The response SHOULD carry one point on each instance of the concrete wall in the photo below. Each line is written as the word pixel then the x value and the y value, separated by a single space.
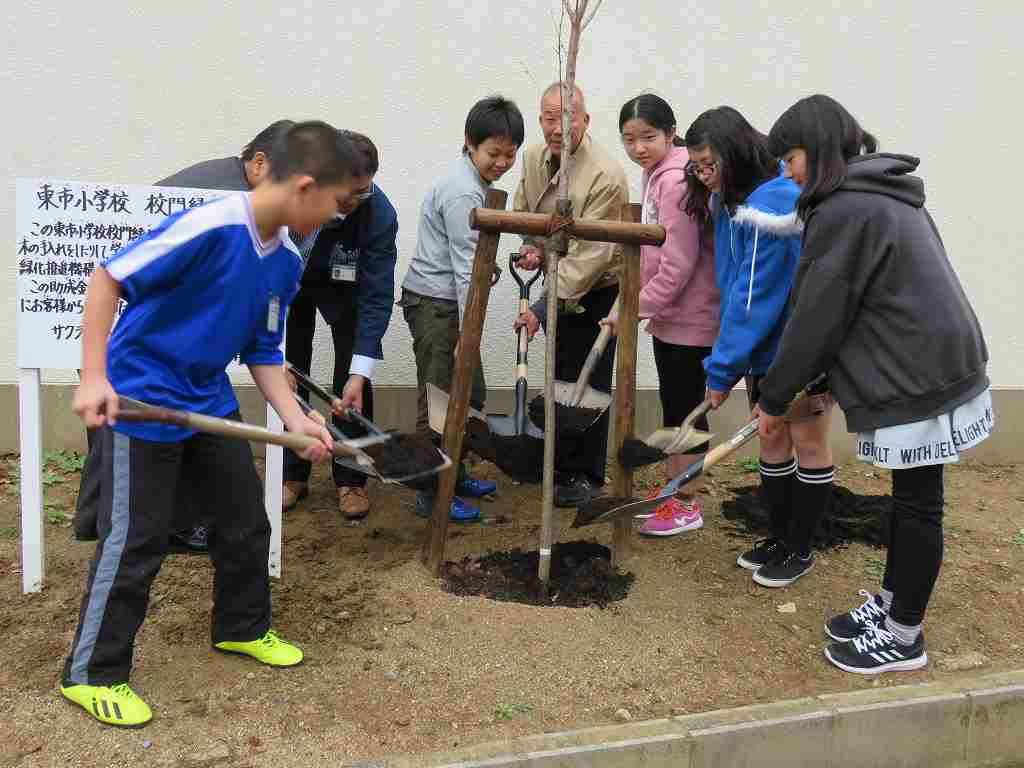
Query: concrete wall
pixel 131 92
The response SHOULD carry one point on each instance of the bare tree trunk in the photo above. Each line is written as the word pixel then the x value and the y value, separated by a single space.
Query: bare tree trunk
pixel 578 20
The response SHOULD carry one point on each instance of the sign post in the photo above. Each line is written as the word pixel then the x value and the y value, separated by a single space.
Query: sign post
pixel 64 228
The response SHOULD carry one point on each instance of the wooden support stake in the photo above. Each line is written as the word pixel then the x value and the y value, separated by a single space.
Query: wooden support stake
pixel 462 379
pixel 539 225
pixel 625 380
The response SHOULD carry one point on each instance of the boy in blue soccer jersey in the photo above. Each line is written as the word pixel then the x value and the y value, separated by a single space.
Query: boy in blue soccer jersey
pixel 202 287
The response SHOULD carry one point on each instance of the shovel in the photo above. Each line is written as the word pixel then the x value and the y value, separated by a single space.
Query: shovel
pixel 603 509
pixel 662 443
pixel 393 457
pixel 577 405
pixel 521 465
pixel 518 444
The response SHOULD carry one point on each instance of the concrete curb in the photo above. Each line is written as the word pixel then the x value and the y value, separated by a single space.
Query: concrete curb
pixel 965 724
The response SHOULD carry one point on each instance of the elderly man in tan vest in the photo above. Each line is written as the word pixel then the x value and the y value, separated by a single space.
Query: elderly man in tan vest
pixel 587 276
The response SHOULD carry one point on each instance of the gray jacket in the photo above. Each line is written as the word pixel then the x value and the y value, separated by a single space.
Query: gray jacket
pixel 876 304
pixel 442 265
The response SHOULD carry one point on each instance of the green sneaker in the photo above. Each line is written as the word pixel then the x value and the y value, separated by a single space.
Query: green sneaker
pixel 110 704
pixel 269 649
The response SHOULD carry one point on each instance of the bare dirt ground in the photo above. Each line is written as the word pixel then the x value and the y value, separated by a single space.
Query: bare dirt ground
pixel 396 665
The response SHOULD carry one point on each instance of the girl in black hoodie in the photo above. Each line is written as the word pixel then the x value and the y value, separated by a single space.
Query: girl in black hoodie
pixel 876 304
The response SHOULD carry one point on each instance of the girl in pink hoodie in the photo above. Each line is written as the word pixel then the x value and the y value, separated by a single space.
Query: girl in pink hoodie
pixel 678 295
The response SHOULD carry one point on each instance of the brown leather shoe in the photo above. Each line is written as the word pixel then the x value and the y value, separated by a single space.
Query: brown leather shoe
pixel 292 493
pixel 353 503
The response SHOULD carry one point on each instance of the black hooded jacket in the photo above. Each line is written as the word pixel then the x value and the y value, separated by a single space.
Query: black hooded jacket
pixel 876 304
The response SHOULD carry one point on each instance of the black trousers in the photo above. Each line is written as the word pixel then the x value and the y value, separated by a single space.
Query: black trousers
pixel 681 384
pixel 915 541
pixel 187 511
pixel 586 454
pixel 138 484
pixel 299 352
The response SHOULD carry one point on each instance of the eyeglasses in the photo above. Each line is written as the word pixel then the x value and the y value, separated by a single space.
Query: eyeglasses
pixel 692 169
pixel 364 196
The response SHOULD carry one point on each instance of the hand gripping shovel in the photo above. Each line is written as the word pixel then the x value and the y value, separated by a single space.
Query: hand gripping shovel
pixel 604 509
pixel 578 405
pixel 518 445
pixel 394 457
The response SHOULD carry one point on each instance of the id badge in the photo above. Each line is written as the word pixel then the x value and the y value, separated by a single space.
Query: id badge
pixel 344 264
pixel 273 314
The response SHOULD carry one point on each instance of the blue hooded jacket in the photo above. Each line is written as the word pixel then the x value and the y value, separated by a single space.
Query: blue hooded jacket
pixel 756 253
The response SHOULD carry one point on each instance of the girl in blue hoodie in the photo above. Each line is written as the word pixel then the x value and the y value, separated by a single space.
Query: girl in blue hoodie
pixel 735 181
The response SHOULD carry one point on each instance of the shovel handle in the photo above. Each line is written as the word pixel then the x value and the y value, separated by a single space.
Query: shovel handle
pixel 600 344
pixel 740 438
pixel 522 342
pixel 133 410
pixel 524 285
pixel 329 397
pixel 326 395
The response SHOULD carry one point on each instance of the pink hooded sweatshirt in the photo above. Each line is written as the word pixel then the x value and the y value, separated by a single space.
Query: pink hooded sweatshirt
pixel 677 279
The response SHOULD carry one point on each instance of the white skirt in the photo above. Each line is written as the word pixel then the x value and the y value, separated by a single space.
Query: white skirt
pixel 938 440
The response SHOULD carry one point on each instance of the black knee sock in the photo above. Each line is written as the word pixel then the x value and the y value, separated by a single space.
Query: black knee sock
pixel 811 496
pixel 777 494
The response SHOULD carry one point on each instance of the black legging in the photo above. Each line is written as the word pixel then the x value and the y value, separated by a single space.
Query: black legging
pixel 915 541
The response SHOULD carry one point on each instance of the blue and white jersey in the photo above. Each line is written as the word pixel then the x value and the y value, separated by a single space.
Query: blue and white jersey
pixel 200 289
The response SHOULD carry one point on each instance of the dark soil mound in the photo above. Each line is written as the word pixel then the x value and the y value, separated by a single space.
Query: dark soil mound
pixel 567 420
pixel 849 518
pixel 404 455
pixel 581 575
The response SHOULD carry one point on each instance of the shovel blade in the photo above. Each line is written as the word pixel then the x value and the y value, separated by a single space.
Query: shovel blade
pixel 505 426
pixel 437 408
pixel 592 398
pixel 445 463
pixel 589 515
pixel 671 441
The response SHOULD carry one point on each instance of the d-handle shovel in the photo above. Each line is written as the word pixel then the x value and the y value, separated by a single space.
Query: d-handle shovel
pixel 519 423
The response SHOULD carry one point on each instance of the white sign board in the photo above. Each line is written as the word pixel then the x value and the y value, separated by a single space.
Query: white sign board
pixel 64 228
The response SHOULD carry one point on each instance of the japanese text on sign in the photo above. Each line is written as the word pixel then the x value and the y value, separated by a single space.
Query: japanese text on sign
pixel 64 229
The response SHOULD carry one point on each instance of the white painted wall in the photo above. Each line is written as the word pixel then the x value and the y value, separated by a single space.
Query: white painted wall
pixel 129 92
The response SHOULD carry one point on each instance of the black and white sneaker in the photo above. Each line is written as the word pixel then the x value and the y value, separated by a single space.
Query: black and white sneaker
pixel 847 626
pixel 875 650
pixel 764 551
pixel 783 571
